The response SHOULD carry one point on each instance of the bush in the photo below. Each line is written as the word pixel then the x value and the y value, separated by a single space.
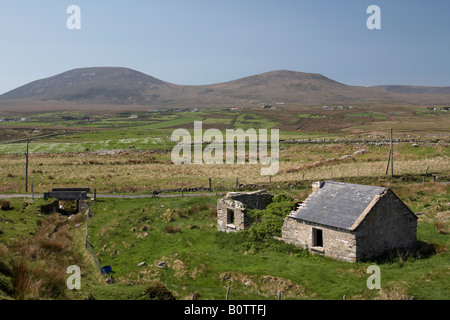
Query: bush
pixel 172 229
pixel 6 284
pixel 5 268
pixel 266 224
pixel 282 198
pixel 5 204
pixel 157 291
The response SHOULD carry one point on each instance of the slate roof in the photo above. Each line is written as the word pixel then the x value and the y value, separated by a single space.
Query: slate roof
pixel 337 204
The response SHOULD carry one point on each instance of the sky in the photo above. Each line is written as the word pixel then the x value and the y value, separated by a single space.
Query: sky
pixel 195 42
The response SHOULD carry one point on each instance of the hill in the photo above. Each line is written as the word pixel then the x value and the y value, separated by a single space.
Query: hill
pixel 413 89
pixel 94 85
pixel 113 86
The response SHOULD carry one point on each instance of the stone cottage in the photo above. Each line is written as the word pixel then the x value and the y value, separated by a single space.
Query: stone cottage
pixel 231 209
pixel 350 222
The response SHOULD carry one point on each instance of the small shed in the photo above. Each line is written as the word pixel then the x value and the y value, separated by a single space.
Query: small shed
pixel 231 209
pixel 351 222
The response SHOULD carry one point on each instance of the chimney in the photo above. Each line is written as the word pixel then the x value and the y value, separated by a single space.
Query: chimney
pixel 316 185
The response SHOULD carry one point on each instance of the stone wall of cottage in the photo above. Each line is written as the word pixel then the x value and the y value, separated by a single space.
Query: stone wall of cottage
pixel 389 225
pixel 238 202
pixel 337 243
pixel 222 215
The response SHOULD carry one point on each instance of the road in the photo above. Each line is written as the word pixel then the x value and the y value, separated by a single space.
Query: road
pixel 123 196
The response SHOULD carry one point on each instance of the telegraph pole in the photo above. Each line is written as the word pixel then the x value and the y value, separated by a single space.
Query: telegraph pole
pixel 391 157
pixel 26 169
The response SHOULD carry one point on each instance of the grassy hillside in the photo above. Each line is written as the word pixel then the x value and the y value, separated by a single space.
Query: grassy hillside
pixel 202 262
pixel 199 261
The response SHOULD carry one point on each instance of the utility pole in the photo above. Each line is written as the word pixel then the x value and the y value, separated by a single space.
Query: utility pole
pixel 392 155
pixel 26 169
pixel 391 158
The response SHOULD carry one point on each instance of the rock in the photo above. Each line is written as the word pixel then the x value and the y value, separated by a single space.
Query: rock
pixel 193 296
pixel 361 151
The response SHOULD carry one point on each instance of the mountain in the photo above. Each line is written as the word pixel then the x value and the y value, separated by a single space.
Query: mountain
pixel 113 86
pixel 414 89
pixel 94 85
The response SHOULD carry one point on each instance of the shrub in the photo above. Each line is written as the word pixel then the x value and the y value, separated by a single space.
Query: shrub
pixel 5 204
pixel 282 198
pixel 5 268
pixel 6 284
pixel 22 279
pixel 193 210
pixel 172 229
pixel 266 224
pixel 441 226
pixel 157 291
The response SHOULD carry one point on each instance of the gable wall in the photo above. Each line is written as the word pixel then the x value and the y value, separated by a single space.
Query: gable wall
pixel 388 225
pixel 239 217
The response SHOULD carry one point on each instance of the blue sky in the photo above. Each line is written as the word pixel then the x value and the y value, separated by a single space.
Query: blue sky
pixel 210 41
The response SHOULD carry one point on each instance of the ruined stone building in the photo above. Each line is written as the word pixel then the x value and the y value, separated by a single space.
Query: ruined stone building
pixel 231 209
pixel 350 222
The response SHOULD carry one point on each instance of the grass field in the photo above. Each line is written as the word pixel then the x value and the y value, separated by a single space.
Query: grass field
pixel 203 262
pixel 182 231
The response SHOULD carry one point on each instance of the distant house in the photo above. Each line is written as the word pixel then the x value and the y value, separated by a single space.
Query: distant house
pixel 134 116
pixel 350 222
pixel 23 120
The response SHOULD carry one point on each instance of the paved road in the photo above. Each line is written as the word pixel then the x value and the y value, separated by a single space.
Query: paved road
pixel 123 196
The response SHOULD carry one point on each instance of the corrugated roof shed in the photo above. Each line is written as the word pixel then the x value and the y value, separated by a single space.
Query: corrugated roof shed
pixel 337 204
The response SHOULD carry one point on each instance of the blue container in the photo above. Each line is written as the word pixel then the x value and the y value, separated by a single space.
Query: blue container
pixel 106 269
